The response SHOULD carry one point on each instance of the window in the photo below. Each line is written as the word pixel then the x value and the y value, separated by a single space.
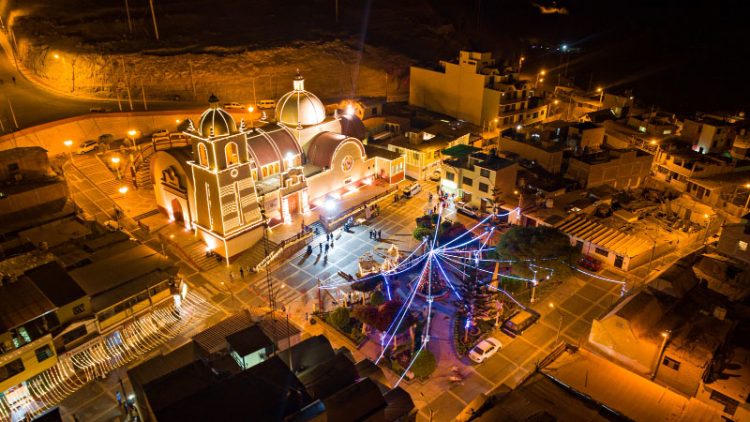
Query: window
pixel 43 353
pixel 230 151
pixel 11 369
pixel 742 245
pixel 602 252
pixel 483 187
pixel 671 363
pixel 484 173
pixel 202 155
pixel 468 181
pixel 74 334
pixel 78 309
pixel 450 176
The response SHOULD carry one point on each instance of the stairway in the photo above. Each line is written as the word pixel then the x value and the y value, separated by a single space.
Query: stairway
pixel 258 251
pixel 197 252
pixel 93 167
pixel 143 174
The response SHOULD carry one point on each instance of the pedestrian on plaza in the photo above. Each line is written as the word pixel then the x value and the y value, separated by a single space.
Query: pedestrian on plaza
pixel 380 235
pixel 327 246
pixel 14 80
pixel 434 209
pixel 320 245
pixel 331 242
pixel 118 396
pixel 242 273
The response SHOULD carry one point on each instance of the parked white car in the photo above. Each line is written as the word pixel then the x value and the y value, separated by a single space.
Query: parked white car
pixel 467 209
pixel 485 349
pixel 233 106
pixel 412 190
pixel 265 104
pixel 160 133
pixel 87 146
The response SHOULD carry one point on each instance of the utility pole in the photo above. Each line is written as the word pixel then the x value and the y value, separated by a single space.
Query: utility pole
pixel 192 81
pixel 255 98
pixel 143 94
pixel 153 18
pixel 130 21
pixel 12 113
pixel 386 86
pixel 119 103
pixel 337 10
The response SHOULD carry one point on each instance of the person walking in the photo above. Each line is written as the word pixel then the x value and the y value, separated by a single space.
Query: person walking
pixel 14 80
pixel 380 235
pixel 242 273
pixel 327 246
pixel 320 245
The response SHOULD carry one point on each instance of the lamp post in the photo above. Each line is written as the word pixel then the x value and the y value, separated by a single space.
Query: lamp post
pixel 68 144
pixel 116 164
pixel 533 288
pixel 665 336
pixel 600 90
pixel 744 209
pixel 540 77
pixel 520 64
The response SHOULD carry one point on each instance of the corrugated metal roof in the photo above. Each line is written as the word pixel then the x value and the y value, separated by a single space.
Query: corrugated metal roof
pixel 603 236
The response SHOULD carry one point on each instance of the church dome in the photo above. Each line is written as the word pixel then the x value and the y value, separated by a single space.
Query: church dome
pixel 299 107
pixel 215 121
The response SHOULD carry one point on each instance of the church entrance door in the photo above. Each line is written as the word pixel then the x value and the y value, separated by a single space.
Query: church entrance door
pixel 177 211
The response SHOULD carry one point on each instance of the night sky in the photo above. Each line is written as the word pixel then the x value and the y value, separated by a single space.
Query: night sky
pixel 681 55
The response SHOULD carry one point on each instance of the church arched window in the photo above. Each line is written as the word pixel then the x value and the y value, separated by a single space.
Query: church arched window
pixel 230 151
pixel 202 155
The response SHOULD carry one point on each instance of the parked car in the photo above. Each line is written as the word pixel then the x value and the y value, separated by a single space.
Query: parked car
pixel 264 104
pixel 485 349
pixel 98 110
pixel 112 225
pixel 412 190
pixel 590 263
pixel 519 321
pixel 87 146
pixel 233 106
pixel 467 209
pixel 435 176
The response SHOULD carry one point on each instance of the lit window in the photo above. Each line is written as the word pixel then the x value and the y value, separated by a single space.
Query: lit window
pixel 202 155
pixel 742 245
pixel 230 150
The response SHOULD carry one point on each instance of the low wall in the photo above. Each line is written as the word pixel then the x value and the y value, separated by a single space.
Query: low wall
pixel 51 136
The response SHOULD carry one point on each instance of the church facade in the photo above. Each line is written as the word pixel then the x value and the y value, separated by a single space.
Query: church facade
pixel 233 179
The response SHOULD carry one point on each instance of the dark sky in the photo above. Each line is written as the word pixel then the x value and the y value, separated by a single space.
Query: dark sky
pixel 682 55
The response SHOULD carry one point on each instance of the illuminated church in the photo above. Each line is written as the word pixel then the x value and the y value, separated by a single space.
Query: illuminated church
pixel 219 184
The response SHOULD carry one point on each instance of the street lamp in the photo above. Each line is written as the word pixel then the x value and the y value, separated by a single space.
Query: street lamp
pixel 116 163
pixel 69 143
pixel 123 190
pixel 600 90
pixel 539 77
pixel 520 63
pixel 665 337
pixel 250 109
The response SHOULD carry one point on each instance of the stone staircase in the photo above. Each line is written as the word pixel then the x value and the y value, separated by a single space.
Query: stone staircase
pixel 143 174
pixel 93 167
pixel 256 253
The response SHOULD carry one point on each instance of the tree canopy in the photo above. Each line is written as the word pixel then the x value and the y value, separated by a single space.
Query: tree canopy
pixel 544 246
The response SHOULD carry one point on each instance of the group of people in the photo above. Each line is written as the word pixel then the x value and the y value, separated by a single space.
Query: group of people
pixel 376 234
pixel 328 244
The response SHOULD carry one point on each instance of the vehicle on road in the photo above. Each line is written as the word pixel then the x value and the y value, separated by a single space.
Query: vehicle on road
pixel 234 106
pixel 435 176
pixel 160 134
pixel 87 146
pixel 485 349
pixel 412 190
pixel 467 209
pixel 590 263
pixel 98 110
pixel 519 321
pixel 264 104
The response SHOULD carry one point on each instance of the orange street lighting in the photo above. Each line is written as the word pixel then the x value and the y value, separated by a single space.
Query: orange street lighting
pixel 747 185
pixel 653 142
pixel 132 132
pixel 177 121
pixel 56 56
pixel 557 102
pixel 705 215
pixel 250 109
pixel 551 305
pixel 599 89
pixel 115 160
pixel 123 190
pixel 68 143
pixel 543 72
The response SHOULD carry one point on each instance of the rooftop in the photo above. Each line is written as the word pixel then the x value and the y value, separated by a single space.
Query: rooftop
pixel 376 151
pixel 460 151
pixel 52 279
pixel 21 301
pixel 248 340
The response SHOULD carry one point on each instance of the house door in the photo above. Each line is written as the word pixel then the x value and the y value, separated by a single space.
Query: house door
pixel 293 200
pixel 177 211
pixel 618 261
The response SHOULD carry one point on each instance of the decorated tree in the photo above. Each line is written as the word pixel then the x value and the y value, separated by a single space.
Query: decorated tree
pixel 475 301
pixel 541 246
pixel 339 317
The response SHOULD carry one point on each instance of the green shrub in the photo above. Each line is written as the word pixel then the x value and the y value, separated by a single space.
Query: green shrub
pixel 424 364
pixel 339 317
pixel 377 298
